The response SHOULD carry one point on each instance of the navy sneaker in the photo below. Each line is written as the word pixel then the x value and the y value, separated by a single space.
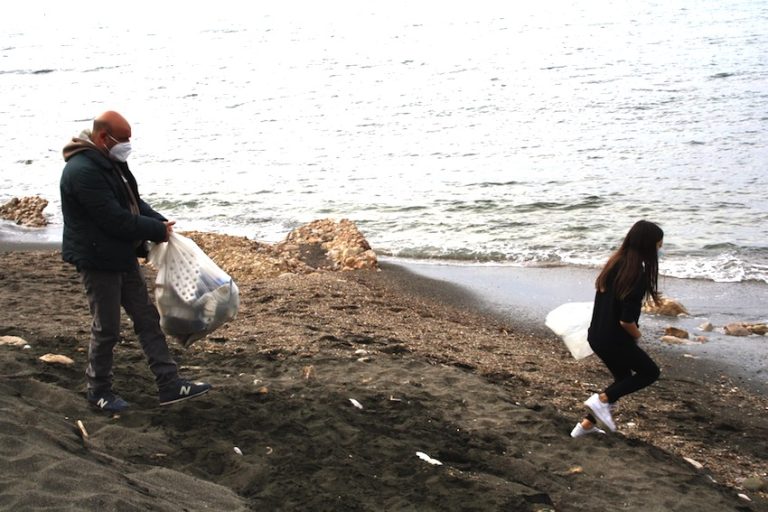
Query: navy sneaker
pixel 107 401
pixel 182 390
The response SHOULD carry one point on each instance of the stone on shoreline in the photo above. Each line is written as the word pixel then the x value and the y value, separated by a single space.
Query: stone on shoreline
pixel 666 307
pixel 676 332
pixel 26 211
pixel 736 329
pixel 674 340
pixel 744 329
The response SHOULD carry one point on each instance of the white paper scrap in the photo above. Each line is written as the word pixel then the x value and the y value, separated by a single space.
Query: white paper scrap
pixel 426 458
pixel 356 403
pixel 694 463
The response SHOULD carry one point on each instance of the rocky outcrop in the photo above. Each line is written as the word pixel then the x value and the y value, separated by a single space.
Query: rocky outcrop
pixel 332 245
pixel 321 245
pixel 26 211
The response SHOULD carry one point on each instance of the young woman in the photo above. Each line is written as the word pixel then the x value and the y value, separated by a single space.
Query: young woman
pixel 627 280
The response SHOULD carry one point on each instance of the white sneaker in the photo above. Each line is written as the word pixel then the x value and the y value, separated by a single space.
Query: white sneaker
pixel 579 431
pixel 602 411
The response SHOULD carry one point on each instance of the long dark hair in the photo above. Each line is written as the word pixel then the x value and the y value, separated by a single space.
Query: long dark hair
pixel 638 251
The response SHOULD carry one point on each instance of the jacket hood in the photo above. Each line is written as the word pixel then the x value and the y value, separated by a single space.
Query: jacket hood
pixel 79 144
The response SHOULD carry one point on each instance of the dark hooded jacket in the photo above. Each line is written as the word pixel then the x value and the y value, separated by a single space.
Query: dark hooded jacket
pixel 105 220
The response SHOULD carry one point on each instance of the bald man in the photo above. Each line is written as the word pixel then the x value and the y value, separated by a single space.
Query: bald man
pixel 106 226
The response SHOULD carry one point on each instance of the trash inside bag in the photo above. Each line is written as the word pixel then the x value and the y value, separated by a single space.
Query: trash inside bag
pixel 194 296
pixel 571 321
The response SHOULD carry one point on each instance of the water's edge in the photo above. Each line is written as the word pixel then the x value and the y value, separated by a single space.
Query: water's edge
pixel 522 297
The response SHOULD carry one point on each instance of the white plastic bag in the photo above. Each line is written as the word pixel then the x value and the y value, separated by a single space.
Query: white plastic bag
pixel 194 296
pixel 571 321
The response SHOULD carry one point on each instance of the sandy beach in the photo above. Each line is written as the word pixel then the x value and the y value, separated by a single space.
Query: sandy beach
pixel 432 372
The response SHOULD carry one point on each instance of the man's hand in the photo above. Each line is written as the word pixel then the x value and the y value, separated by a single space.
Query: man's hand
pixel 168 229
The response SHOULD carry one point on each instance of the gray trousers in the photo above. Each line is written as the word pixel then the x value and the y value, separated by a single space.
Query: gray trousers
pixel 107 292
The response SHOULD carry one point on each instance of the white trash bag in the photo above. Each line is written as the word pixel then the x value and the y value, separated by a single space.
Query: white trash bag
pixel 194 296
pixel 571 321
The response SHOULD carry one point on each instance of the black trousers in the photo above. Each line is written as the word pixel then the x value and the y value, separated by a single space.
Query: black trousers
pixel 107 292
pixel 631 367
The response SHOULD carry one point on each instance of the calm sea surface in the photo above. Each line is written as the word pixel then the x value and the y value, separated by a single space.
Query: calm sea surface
pixel 464 132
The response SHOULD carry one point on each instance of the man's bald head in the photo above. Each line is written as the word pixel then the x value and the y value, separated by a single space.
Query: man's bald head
pixel 114 123
pixel 110 126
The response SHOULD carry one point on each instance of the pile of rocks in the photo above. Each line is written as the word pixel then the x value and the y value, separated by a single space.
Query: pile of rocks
pixel 320 245
pixel 677 336
pixel 326 243
pixel 27 211
pixel 744 329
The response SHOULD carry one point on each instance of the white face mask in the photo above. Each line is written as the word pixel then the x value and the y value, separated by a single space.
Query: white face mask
pixel 120 151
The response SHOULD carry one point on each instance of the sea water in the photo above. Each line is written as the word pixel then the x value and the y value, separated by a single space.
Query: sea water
pixel 525 134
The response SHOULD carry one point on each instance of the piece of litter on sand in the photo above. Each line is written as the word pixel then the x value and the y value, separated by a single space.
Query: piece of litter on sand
pixel 426 458
pixel 13 341
pixel 744 497
pixel 83 432
pixel 56 359
pixel 356 403
pixel 694 463
pixel 393 399
pixel 238 450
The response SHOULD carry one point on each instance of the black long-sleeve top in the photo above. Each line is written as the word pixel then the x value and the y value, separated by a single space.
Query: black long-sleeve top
pixel 609 310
